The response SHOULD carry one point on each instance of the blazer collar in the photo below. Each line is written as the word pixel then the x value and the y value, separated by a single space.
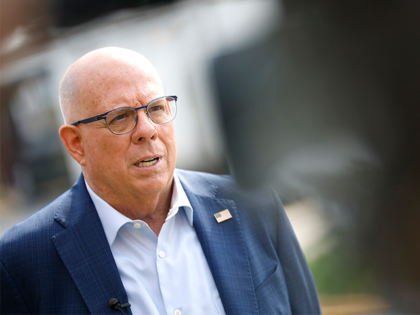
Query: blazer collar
pixel 84 249
pixel 223 244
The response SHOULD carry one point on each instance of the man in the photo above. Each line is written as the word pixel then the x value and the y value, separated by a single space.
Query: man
pixel 134 230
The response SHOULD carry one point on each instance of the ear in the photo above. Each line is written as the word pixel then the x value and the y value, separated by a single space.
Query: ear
pixel 72 140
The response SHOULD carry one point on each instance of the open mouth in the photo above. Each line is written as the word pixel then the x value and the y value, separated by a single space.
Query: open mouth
pixel 147 162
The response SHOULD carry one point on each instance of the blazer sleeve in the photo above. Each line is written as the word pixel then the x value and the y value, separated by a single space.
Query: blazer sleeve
pixel 11 299
pixel 300 282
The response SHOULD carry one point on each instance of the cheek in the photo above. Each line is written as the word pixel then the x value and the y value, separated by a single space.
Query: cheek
pixel 105 154
pixel 170 142
pixel 172 151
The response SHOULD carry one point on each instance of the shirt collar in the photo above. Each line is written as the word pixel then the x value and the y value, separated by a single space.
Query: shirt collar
pixel 180 199
pixel 112 220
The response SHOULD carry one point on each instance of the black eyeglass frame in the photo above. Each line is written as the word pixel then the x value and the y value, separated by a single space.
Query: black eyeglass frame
pixel 103 116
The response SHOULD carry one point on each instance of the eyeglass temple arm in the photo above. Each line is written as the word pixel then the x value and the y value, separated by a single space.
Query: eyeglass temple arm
pixel 88 120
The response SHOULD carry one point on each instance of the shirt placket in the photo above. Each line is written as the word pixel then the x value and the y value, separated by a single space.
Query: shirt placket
pixel 164 259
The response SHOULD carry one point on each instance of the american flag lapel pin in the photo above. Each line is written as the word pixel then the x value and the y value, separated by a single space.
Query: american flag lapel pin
pixel 222 216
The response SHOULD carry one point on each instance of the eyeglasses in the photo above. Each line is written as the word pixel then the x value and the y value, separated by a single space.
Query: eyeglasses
pixel 123 120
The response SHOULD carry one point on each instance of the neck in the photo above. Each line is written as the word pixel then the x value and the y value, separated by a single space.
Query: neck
pixel 152 209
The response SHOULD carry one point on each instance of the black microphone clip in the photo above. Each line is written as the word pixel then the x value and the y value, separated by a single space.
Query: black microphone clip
pixel 115 304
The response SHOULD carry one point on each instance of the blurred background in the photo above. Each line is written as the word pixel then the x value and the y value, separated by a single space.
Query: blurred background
pixel 319 99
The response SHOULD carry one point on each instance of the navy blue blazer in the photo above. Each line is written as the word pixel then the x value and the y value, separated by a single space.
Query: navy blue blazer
pixel 58 261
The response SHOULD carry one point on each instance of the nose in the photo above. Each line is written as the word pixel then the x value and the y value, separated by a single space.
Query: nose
pixel 145 129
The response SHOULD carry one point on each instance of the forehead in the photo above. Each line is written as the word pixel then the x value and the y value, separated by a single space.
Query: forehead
pixel 116 83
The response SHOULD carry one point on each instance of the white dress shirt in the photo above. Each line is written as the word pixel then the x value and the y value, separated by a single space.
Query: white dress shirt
pixel 168 274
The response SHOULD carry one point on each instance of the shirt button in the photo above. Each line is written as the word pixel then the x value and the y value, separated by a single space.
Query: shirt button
pixel 161 255
pixel 137 225
pixel 177 312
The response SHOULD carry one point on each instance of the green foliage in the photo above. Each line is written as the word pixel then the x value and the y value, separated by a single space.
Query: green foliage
pixel 343 270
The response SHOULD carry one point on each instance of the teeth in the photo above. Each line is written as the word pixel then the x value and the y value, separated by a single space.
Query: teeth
pixel 148 162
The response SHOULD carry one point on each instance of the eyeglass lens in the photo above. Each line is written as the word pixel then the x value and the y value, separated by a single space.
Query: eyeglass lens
pixel 123 120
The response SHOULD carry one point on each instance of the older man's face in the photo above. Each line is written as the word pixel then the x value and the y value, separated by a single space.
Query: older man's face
pixel 114 164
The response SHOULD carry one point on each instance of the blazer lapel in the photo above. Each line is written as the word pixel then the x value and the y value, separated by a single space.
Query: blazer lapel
pixel 84 249
pixel 223 245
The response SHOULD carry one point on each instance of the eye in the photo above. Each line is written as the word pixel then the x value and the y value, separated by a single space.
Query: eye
pixel 119 117
pixel 156 108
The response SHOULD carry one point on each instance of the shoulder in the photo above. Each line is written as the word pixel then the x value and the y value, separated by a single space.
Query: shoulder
pixel 62 212
pixel 29 235
pixel 209 185
pixel 194 178
pixel 225 187
pixel 225 184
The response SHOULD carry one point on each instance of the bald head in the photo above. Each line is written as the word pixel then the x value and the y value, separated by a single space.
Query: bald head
pixel 81 84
